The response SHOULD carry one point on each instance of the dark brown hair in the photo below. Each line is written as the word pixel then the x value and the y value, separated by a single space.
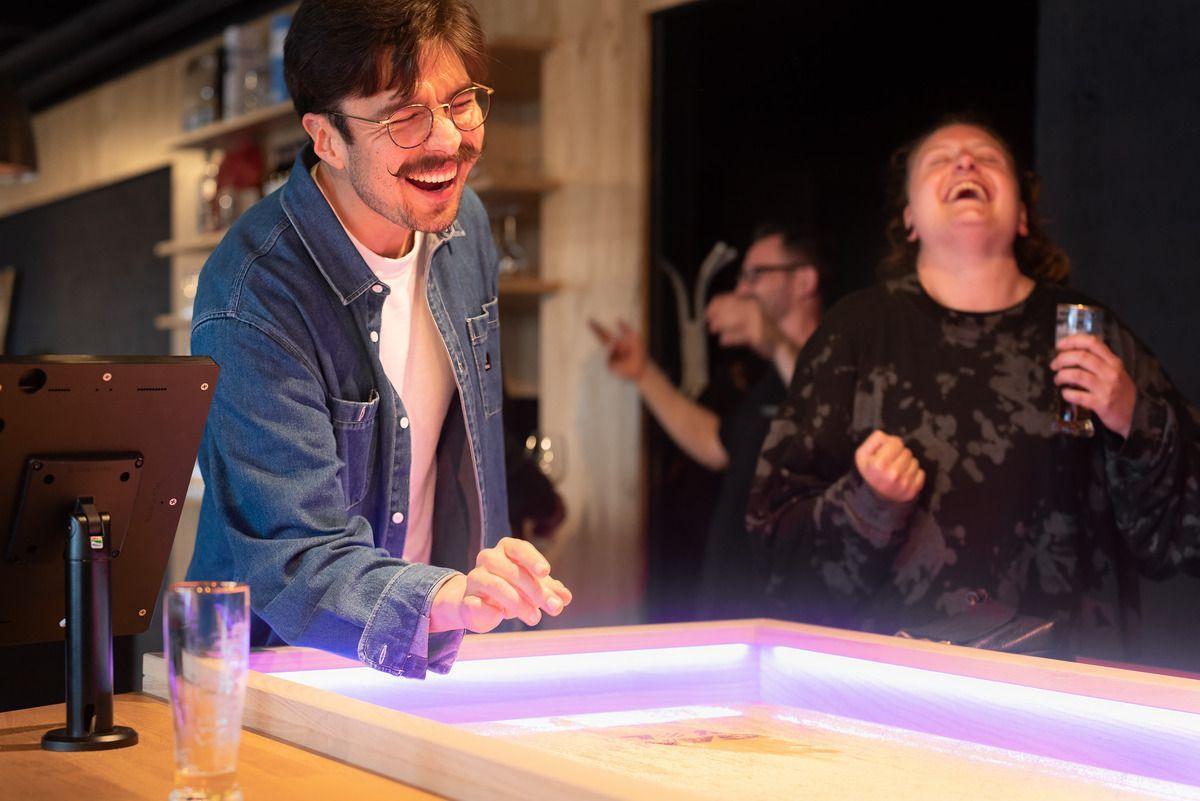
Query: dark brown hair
pixel 803 244
pixel 339 48
pixel 1036 254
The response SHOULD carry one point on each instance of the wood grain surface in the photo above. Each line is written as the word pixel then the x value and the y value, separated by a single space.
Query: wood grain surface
pixel 267 768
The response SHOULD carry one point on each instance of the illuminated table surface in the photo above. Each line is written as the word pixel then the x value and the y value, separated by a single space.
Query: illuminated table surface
pixel 737 710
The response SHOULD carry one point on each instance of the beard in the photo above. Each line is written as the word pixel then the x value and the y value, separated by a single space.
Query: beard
pixel 393 206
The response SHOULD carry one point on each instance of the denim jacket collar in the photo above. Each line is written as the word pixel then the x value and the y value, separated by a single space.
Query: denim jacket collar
pixel 335 255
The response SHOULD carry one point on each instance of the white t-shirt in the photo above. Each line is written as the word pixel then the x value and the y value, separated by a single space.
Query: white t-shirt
pixel 415 360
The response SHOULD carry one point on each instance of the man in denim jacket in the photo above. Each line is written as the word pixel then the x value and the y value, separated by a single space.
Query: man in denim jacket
pixel 355 436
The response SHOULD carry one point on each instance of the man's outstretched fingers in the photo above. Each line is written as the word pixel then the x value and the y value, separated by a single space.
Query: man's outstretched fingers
pixel 498 592
pixel 526 556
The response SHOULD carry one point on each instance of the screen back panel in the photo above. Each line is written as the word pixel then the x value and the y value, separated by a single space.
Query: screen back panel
pixel 93 408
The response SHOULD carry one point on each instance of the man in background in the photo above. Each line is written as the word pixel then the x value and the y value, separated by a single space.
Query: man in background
pixel 773 310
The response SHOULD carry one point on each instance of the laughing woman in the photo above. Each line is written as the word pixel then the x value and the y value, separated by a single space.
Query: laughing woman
pixel 914 468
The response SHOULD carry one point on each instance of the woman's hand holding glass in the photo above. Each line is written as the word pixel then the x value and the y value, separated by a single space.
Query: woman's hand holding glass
pixel 1095 378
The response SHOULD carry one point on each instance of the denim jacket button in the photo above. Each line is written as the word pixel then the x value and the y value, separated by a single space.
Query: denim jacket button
pixel 404 422
pixel 398 518
pixel 374 336
pixel 377 288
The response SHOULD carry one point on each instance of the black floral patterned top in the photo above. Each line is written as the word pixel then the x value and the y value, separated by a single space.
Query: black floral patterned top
pixel 1050 524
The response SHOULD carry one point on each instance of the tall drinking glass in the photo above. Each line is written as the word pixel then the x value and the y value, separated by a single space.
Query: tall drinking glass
pixel 207 636
pixel 1075 318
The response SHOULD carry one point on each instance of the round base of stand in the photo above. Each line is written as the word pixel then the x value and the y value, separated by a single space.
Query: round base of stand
pixel 60 740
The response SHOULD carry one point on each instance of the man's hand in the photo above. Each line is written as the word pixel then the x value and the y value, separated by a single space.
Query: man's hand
pixel 626 350
pixel 510 580
pixel 737 320
pixel 889 468
pixel 1094 377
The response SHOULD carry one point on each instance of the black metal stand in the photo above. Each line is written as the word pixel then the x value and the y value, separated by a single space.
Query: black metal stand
pixel 89 663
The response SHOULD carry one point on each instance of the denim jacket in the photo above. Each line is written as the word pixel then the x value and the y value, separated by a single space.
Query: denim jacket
pixel 305 460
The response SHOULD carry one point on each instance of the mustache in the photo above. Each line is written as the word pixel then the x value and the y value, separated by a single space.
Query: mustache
pixel 466 152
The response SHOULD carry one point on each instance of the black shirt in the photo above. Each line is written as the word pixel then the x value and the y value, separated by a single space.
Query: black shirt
pixel 1043 522
pixel 730 586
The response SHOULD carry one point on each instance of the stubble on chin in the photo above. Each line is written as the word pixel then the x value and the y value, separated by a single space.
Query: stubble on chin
pixel 396 211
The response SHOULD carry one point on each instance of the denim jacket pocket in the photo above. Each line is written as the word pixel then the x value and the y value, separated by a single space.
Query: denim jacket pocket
pixel 354 431
pixel 485 345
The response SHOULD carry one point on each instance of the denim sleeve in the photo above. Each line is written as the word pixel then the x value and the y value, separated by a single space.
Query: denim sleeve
pixel 273 493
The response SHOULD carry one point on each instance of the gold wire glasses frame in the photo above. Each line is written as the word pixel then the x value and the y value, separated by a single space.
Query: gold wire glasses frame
pixel 409 126
pixel 752 274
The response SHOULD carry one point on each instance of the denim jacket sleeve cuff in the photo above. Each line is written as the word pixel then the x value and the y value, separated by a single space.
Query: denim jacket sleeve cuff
pixel 443 646
pixel 396 638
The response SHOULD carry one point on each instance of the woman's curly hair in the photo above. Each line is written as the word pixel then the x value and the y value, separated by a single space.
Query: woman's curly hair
pixel 1037 255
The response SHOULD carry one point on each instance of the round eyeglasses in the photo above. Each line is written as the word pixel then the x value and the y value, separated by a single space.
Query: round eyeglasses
pixel 751 274
pixel 411 125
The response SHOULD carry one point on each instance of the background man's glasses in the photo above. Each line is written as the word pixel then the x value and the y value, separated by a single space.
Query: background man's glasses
pixel 752 274
pixel 410 126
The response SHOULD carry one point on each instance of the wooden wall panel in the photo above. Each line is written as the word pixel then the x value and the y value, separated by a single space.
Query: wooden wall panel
pixel 596 134
pixel 520 19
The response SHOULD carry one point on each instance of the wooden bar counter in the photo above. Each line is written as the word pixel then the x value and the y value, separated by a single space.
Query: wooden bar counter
pixel 267 769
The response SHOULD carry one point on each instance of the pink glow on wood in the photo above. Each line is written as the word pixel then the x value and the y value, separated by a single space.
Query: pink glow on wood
pixel 1140 724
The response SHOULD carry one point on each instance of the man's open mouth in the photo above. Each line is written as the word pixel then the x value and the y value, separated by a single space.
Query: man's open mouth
pixel 434 180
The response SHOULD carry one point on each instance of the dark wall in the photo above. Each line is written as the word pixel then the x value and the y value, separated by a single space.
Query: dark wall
pixel 87 277
pixel 1118 143
pixel 87 282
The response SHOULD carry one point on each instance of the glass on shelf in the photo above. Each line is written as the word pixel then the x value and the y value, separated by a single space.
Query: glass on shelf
pixel 277 91
pixel 513 259
pixel 206 218
pixel 202 103
pixel 246 79
pixel 239 182
pixel 283 156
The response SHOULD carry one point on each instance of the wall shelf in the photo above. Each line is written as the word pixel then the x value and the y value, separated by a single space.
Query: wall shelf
pixel 526 286
pixel 220 135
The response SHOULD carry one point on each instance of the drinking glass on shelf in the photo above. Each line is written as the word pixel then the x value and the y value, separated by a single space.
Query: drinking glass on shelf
pixel 1075 318
pixel 207 638
pixel 513 259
